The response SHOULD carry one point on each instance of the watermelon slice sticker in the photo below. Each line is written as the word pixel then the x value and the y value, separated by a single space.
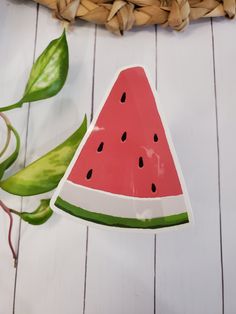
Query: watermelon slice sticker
pixel 125 173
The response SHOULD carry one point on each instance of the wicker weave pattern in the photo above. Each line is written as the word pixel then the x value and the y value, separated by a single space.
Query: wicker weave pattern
pixel 119 15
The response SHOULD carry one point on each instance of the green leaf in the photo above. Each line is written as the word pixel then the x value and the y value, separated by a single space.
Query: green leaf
pixel 11 159
pixel 40 215
pixel 48 73
pixel 44 174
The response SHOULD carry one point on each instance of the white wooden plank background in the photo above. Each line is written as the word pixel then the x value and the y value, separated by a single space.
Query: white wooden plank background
pixel 189 259
pixel 64 267
pixel 14 69
pixel 225 50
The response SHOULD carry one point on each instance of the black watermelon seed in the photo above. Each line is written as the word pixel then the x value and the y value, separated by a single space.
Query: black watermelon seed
pixel 154 188
pixel 124 137
pixel 89 174
pixel 155 137
pixel 123 97
pixel 140 162
pixel 100 147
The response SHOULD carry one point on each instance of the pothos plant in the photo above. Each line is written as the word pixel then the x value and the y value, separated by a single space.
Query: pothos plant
pixel 46 79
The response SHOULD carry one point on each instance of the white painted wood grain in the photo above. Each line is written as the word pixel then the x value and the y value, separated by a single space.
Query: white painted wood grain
pixel 14 69
pixel 188 261
pixel 52 256
pixel 225 50
pixel 120 269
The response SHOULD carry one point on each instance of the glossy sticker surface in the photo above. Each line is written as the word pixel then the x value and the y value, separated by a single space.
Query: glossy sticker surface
pixel 124 173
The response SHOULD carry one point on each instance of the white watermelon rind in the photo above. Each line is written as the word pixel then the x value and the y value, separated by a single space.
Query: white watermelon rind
pixel 103 202
pixel 56 200
pixel 121 222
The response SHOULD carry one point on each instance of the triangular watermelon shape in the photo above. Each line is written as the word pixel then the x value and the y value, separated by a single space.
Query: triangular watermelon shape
pixel 125 172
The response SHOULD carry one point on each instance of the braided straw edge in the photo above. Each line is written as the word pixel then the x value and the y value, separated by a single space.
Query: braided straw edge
pixel 119 15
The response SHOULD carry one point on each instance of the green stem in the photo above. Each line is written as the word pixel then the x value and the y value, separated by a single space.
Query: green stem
pixel 16 105
pixel 7 123
pixel 13 211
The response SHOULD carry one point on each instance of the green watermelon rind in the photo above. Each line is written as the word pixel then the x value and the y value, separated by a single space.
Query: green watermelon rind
pixel 122 222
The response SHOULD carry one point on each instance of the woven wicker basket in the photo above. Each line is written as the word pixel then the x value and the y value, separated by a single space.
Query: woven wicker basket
pixel 119 15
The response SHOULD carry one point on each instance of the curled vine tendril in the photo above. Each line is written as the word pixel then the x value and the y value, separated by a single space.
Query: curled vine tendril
pixel 8 138
pixel 8 211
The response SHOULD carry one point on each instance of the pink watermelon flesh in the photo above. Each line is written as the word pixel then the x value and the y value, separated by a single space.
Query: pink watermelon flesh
pixel 127 152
